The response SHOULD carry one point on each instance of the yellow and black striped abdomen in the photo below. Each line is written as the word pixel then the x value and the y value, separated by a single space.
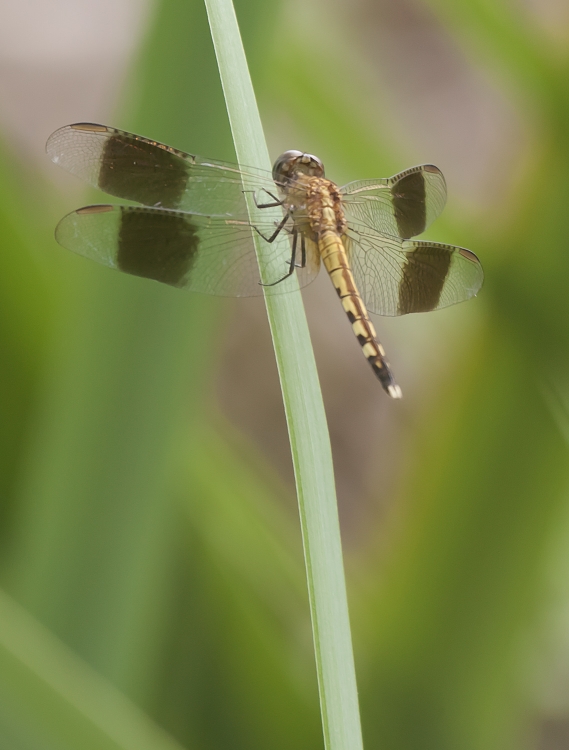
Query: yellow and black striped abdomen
pixel 334 257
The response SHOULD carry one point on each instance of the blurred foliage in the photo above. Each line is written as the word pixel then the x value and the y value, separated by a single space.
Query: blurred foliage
pixel 152 579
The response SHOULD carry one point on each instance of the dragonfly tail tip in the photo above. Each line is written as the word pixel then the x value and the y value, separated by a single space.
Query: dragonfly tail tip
pixel 394 391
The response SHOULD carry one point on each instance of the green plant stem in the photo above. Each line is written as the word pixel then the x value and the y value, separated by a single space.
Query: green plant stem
pixel 308 431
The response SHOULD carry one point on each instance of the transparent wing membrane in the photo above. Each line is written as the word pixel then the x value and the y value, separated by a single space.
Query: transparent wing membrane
pixel 138 169
pixel 403 205
pixel 204 254
pixel 396 276
pixel 193 231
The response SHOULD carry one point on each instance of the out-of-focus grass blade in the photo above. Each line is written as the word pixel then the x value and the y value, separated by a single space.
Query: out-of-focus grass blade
pixel 127 373
pixel 175 93
pixel 486 482
pixel 328 110
pixel 507 33
pixel 464 576
pixel 102 556
pixel 502 33
pixel 239 635
pixel 222 466
pixel 26 309
pixel 52 700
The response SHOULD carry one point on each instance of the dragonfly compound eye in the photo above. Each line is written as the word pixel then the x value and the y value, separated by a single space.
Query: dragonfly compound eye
pixel 294 162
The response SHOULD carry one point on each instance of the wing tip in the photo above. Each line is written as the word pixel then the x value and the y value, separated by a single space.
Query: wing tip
pixel 88 127
pixel 432 168
pixel 469 255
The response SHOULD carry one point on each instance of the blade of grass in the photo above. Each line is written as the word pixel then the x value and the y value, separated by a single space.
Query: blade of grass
pixel 308 432
pixel 125 375
pixel 49 698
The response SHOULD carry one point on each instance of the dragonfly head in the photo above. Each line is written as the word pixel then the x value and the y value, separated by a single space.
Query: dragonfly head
pixel 292 163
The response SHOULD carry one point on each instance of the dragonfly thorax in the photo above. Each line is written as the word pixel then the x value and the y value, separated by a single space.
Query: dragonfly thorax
pixel 292 163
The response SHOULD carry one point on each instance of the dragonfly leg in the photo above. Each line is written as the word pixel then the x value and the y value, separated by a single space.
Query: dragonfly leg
pixel 277 202
pixel 292 263
pixel 302 263
pixel 277 231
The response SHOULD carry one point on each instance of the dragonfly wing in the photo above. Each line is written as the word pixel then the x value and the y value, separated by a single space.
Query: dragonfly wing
pixel 403 205
pixel 206 254
pixel 138 169
pixel 396 276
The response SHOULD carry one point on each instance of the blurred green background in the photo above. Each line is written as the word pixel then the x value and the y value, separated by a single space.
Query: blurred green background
pixel 153 592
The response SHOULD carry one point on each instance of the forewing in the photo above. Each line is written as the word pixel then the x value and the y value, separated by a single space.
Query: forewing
pixel 396 276
pixel 403 205
pixel 206 254
pixel 138 169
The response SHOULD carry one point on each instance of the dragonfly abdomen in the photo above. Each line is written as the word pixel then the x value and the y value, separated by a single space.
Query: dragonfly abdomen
pixel 334 257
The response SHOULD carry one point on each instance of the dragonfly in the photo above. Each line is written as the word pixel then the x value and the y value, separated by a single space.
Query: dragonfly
pixel 193 230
